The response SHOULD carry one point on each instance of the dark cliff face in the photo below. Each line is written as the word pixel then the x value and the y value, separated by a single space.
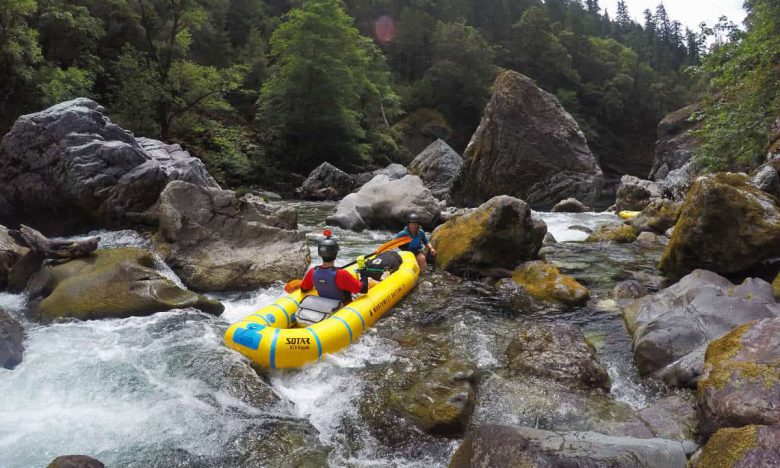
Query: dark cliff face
pixel 529 147
pixel 675 145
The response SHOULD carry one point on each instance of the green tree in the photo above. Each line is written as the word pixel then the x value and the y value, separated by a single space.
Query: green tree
pixel 324 81
pixel 20 53
pixel 745 82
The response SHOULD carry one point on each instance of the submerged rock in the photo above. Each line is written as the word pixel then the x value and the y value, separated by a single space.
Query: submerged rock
pixel 671 329
pixel 570 205
pixel 634 194
pixel 69 168
pixel 557 352
pixel 386 203
pixel 498 235
pixel 437 165
pixel 216 241
pixel 725 226
pixel 113 283
pixel 545 282
pixel 629 289
pixel 326 182
pixel 442 401
pixel 75 461
pixel 11 339
pixel 617 233
pixel 527 146
pixel 490 445
pixel 741 380
pixel 746 447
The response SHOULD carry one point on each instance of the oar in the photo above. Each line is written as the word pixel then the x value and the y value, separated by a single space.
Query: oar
pixel 295 284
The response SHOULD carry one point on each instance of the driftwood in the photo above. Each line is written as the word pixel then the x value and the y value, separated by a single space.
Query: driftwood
pixel 53 248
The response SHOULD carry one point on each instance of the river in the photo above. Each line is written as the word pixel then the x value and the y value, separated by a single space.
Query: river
pixel 164 391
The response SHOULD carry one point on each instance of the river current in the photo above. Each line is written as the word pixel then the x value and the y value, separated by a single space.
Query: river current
pixel 164 391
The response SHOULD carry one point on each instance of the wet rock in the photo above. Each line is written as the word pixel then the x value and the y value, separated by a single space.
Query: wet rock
pixel 392 171
pixel 557 352
pixel 419 129
pixel 678 183
pixel 545 282
pixel 725 226
pixel 630 289
pixel 741 380
pixel 649 240
pixel 283 444
pixel 386 203
pixel 24 269
pixel 11 339
pixel 10 254
pixel 75 461
pixel 216 241
pixel 437 166
pixel 571 205
pixel 658 216
pixel 746 447
pixel 69 168
pixel 326 182
pixel 442 402
pixel 500 234
pixel 113 283
pixel 673 417
pixel 584 229
pixel 617 233
pixel 671 329
pixel 490 445
pixel 549 239
pixel 634 194
pixel 527 146
pixel 766 179
pixel 675 145
pixel 776 286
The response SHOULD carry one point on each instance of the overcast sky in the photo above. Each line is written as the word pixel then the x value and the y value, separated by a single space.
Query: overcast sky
pixel 689 12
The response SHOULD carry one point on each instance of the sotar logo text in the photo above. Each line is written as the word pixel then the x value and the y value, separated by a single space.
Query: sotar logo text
pixel 298 341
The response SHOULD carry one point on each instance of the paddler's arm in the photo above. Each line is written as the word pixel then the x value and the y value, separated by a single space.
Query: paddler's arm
pixel 346 282
pixel 427 244
pixel 308 281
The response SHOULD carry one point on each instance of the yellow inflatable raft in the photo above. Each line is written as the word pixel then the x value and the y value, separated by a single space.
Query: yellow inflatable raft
pixel 629 214
pixel 272 338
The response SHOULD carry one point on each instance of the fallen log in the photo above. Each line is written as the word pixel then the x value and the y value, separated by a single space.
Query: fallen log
pixel 53 248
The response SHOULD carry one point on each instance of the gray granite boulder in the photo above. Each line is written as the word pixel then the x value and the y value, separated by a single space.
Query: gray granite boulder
pixel 326 182
pixel 634 194
pixel 437 165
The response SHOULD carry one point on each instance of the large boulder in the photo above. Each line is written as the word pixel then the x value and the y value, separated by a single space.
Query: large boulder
pixel 558 352
pixel 671 329
pixel 11 338
pixel 767 179
pixel 498 235
pixel 635 194
pixel 529 147
pixel 386 203
pixel 679 181
pixel 392 171
pixel 658 216
pixel 570 205
pixel 10 254
pixel 419 129
pixel 441 403
pixel 69 168
pixel 114 283
pixel 726 225
pixel 544 282
pixel 216 241
pixel 741 380
pixel 673 417
pixel 437 165
pixel 490 445
pixel 326 182
pixel 746 447
pixel 675 145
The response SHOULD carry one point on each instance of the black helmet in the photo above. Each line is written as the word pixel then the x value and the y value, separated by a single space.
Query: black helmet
pixel 328 248
pixel 413 218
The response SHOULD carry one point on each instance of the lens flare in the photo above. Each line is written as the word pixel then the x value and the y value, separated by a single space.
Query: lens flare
pixel 385 29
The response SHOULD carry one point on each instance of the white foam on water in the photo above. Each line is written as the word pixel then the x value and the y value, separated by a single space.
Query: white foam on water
pixel 238 306
pixel 560 224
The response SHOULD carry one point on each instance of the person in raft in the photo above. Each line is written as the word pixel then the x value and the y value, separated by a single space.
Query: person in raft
pixel 419 241
pixel 332 282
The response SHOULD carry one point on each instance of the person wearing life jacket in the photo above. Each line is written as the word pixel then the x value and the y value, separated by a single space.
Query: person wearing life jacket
pixel 332 282
pixel 419 241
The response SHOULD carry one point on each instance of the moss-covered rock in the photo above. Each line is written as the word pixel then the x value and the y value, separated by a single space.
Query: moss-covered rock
pixel 726 225
pixel 658 216
pixel 559 352
pixel 110 284
pixel 744 447
pixel 442 402
pixel 545 282
pixel 776 286
pixel 741 380
pixel 500 234
pixel 618 233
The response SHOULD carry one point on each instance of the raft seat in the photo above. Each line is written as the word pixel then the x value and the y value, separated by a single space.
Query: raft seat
pixel 315 309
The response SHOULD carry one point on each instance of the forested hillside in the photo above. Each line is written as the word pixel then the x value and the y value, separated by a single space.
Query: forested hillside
pixel 252 86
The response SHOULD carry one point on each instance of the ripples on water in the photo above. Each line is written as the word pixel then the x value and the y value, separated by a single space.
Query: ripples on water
pixel 164 391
